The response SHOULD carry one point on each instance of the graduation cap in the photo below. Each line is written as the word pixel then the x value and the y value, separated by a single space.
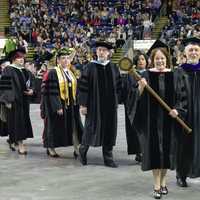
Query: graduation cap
pixel 191 40
pixel 64 51
pixel 158 44
pixel 17 53
pixel 103 43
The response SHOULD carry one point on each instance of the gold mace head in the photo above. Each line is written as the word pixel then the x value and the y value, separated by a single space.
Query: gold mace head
pixel 125 64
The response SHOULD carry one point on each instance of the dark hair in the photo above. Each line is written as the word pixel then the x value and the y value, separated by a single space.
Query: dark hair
pixel 165 52
pixel 136 58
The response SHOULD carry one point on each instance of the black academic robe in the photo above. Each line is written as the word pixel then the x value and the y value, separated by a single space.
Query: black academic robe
pixel 189 145
pixel 3 123
pixel 36 99
pixel 133 144
pixel 3 114
pixel 13 85
pixel 153 123
pixel 98 90
pixel 30 83
pixel 58 130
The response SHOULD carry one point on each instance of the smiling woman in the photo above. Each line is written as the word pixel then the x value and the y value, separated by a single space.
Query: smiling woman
pixel 63 126
pixel 160 60
pixel 153 124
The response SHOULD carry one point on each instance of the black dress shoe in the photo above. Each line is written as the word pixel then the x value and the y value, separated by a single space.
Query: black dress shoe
pixel 181 182
pixel 11 145
pixel 53 155
pixel 75 155
pixel 82 156
pixel 138 158
pixel 110 163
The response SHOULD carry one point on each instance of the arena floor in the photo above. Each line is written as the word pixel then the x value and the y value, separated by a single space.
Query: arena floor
pixel 38 177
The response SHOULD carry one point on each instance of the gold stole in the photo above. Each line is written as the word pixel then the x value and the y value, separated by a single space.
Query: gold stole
pixel 63 84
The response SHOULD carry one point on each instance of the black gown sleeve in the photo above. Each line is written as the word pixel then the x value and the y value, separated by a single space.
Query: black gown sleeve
pixel 7 93
pixel 51 93
pixel 83 87
pixel 181 104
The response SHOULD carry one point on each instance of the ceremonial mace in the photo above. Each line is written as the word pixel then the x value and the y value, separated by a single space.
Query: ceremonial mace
pixel 126 64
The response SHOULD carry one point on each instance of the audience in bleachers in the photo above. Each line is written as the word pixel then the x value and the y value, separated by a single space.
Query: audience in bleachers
pixel 51 24
pixel 184 21
pixel 55 23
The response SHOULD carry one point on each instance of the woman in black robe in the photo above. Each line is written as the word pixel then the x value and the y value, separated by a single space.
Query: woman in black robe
pixel 14 95
pixel 133 144
pixel 156 126
pixel 63 125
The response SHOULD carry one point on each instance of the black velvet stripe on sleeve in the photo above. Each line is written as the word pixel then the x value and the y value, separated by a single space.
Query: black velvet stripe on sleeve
pixel 82 89
pixel 84 77
pixel 5 84
pixel 83 82
pixel 50 87
pixel 5 87
pixel 83 85
pixel 4 77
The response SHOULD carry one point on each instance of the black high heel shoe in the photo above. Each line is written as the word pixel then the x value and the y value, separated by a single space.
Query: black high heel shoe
pixel 164 190
pixel 157 194
pixel 55 155
pixel 22 152
pixel 75 155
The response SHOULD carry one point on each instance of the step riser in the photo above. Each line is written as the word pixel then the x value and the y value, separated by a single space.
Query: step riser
pixel 4 15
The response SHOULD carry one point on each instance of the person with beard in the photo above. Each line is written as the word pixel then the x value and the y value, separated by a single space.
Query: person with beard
pixel 14 94
pixel 63 126
pixel 99 86
pixel 188 154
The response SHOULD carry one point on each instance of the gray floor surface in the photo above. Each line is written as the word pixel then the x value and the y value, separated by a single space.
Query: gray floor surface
pixel 38 177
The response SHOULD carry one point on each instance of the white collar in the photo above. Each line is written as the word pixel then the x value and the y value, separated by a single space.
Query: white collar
pixel 156 70
pixel 100 63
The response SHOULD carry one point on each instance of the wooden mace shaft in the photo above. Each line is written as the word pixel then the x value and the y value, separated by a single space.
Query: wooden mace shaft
pixel 162 103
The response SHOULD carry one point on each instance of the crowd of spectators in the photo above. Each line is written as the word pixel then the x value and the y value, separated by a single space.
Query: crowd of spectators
pixel 184 21
pixel 49 24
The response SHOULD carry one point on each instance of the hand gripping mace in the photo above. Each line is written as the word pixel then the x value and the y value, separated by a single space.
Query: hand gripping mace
pixel 126 64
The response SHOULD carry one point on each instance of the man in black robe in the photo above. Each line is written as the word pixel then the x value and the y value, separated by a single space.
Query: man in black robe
pixel 98 98
pixel 14 95
pixel 188 155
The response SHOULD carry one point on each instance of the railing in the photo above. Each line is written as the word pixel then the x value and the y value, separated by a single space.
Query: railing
pixel 163 11
pixel 127 46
